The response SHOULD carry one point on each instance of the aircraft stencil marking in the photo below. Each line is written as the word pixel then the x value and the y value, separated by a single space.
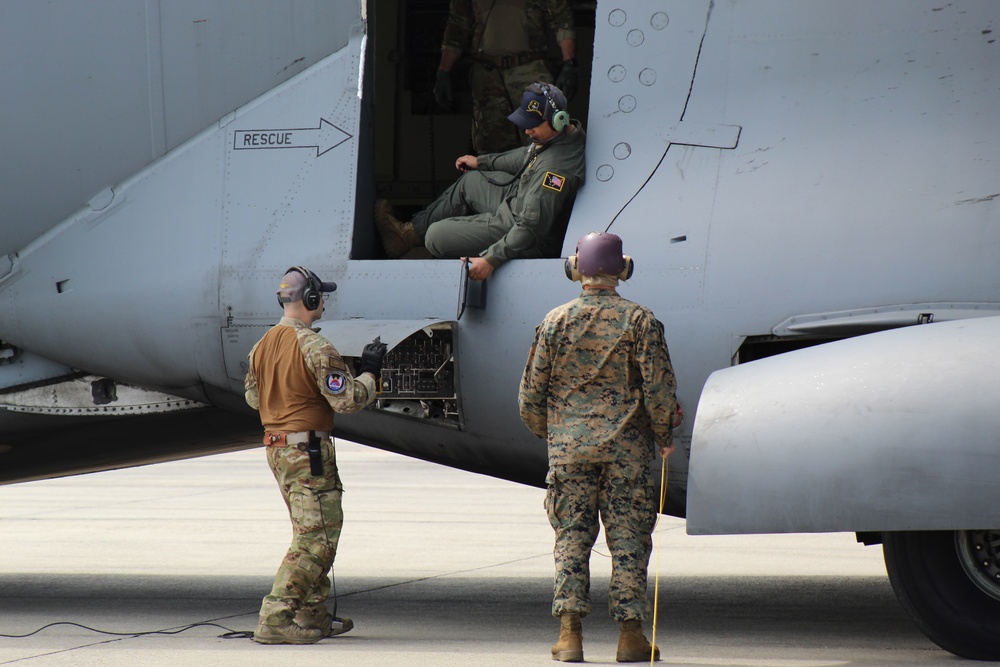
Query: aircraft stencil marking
pixel 323 138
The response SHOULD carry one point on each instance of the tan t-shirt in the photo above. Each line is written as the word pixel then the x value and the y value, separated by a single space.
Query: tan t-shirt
pixel 297 380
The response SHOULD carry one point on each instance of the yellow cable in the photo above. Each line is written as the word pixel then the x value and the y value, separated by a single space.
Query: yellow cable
pixel 659 546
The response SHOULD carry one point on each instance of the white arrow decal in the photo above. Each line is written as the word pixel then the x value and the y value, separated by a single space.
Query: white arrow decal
pixel 322 138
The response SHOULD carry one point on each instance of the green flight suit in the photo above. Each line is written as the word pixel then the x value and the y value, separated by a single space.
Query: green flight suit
pixel 525 219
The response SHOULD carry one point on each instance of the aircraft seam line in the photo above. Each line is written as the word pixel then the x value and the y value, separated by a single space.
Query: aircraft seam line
pixel 687 100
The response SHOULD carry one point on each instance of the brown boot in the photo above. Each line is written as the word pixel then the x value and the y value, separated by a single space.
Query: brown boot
pixel 289 633
pixel 323 621
pixel 632 644
pixel 569 648
pixel 398 238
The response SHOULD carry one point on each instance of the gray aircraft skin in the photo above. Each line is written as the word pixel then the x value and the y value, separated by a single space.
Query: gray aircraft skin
pixel 809 192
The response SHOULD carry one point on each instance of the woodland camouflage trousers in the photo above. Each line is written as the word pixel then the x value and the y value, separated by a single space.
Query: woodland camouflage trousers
pixel 622 495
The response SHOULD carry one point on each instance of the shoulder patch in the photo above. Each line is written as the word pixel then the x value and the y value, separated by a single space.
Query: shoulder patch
pixel 336 383
pixel 554 181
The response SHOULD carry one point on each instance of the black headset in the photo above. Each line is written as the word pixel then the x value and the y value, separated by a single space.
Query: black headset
pixel 312 296
pixel 559 118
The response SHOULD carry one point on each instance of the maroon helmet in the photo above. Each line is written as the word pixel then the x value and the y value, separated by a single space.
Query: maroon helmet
pixel 599 254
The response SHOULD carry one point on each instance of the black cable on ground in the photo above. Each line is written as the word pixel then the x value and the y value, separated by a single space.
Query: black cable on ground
pixel 229 634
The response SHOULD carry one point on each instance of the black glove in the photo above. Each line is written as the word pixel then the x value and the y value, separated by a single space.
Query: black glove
pixel 371 357
pixel 568 79
pixel 443 93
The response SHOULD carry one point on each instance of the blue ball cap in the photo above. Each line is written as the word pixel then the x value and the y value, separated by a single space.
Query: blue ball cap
pixel 533 111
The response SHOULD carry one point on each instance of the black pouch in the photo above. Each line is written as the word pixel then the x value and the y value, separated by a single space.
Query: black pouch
pixel 315 455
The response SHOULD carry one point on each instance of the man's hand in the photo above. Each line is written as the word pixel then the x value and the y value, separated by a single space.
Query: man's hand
pixel 371 357
pixel 667 451
pixel 479 268
pixel 568 79
pixel 443 93
pixel 467 163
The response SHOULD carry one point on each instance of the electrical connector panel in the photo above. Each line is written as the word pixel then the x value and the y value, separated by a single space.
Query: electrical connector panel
pixel 418 376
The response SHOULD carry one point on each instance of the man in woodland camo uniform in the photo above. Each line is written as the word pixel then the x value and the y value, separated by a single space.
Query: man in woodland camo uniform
pixel 297 380
pixel 599 386
pixel 508 42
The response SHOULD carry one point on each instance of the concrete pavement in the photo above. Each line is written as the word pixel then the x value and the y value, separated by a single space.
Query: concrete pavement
pixel 436 567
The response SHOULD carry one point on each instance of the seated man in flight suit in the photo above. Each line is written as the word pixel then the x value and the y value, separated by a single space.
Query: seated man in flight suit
pixel 507 205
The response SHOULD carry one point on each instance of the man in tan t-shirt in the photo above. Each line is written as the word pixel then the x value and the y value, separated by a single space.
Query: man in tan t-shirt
pixel 297 380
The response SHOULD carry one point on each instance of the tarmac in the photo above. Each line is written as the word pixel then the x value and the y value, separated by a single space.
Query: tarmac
pixel 155 565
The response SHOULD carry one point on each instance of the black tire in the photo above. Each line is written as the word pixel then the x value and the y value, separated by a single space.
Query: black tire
pixel 946 582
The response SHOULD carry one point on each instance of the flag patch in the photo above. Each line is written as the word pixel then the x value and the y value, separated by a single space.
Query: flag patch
pixel 554 181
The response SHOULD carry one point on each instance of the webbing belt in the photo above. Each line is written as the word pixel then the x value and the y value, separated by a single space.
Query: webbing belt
pixel 512 60
pixel 282 439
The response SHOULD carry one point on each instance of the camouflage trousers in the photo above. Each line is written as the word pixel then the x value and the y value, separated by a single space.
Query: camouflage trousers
pixel 314 506
pixel 621 493
pixel 496 92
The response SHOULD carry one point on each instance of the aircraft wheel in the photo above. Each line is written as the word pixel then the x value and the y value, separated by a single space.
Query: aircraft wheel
pixel 949 583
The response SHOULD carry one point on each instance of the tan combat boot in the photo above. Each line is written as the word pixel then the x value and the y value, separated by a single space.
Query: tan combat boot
pixel 322 620
pixel 290 633
pixel 632 644
pixel 569 648
pixel 398 238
